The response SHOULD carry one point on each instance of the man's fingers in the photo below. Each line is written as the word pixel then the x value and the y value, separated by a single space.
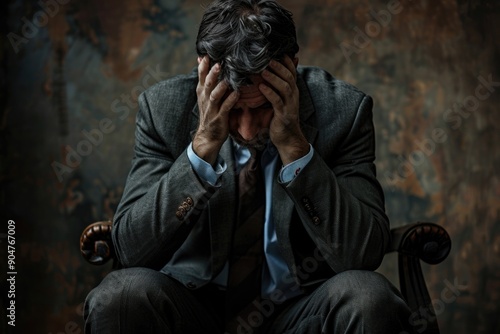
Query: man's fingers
pixel 229 102
pixel 290 65
pixel 211 93
pixel 282 86
pixel 203 68
pixel 285 71
pixel 272 97
pixel 211 79
pixel 218 92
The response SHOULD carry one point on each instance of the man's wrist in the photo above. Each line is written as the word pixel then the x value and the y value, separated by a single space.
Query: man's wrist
pixel 293 151
pixel 290 171
pixel 206 150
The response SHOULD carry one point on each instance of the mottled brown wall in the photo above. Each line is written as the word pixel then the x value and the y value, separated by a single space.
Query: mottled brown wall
pixel 437 159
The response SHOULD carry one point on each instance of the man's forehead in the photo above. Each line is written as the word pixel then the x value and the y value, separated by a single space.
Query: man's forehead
pixel 251 97
pixel 249 91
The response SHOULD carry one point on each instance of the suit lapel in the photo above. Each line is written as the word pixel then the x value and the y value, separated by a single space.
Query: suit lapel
pixel 283 205
pixel 222 210
pixel 221 207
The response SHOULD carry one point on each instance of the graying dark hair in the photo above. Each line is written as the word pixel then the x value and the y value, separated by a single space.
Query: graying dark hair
pixel 244 35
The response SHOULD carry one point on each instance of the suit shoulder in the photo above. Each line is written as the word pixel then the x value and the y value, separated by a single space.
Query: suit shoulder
pixel 172 97
pixel 337 104
pixel 173 87
pixel 322 84
pixel 165 108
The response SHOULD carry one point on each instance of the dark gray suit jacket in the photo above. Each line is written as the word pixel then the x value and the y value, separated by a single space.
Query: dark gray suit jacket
pixel 329 219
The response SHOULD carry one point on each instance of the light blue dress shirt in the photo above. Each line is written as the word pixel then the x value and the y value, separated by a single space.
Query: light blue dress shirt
pixel 275 271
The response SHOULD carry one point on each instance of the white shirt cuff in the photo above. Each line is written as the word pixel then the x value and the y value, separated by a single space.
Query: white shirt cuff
pixel 203 169
pixel 290 171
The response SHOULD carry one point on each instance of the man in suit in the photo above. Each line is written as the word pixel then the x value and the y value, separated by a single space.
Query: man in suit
pixel 184 223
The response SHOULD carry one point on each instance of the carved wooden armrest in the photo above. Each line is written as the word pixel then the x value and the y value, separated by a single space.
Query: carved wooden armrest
pixel 430 243
pixel 96 245
pixel 427 241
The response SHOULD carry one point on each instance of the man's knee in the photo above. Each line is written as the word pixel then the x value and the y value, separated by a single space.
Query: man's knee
pixel 367 298
pixel 350 302
pixel 131 286
pixel 364 291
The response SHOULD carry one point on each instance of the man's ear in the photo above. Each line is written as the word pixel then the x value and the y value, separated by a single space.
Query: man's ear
pixel 199 60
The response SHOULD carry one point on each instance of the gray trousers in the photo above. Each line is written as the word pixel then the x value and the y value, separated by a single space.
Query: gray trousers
pixel 140 300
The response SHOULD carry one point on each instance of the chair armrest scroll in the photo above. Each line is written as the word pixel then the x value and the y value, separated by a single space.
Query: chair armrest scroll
pixel 427 241
pixel 96 244
pixel 430 243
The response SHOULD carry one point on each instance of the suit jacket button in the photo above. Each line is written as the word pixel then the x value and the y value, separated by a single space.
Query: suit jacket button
pixel 179 214
pixel 189 201
pixel 191 285
pixel 316 220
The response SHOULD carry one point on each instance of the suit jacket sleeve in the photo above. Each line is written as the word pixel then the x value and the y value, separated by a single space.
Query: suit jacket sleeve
pixel 338 198
pixel 147 228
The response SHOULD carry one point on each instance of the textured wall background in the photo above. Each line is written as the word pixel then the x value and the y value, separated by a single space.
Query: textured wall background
pixel 72 69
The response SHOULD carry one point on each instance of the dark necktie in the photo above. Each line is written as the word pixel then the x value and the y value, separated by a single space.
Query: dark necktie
pixel 245 263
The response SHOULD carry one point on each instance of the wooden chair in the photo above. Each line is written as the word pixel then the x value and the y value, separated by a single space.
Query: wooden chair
pixel 421 241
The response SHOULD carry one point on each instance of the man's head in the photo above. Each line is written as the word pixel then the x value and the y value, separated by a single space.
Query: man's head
pixel 244 35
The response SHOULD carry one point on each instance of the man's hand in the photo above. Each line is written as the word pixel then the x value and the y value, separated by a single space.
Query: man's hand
pixel 282 91
pixel 213 128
